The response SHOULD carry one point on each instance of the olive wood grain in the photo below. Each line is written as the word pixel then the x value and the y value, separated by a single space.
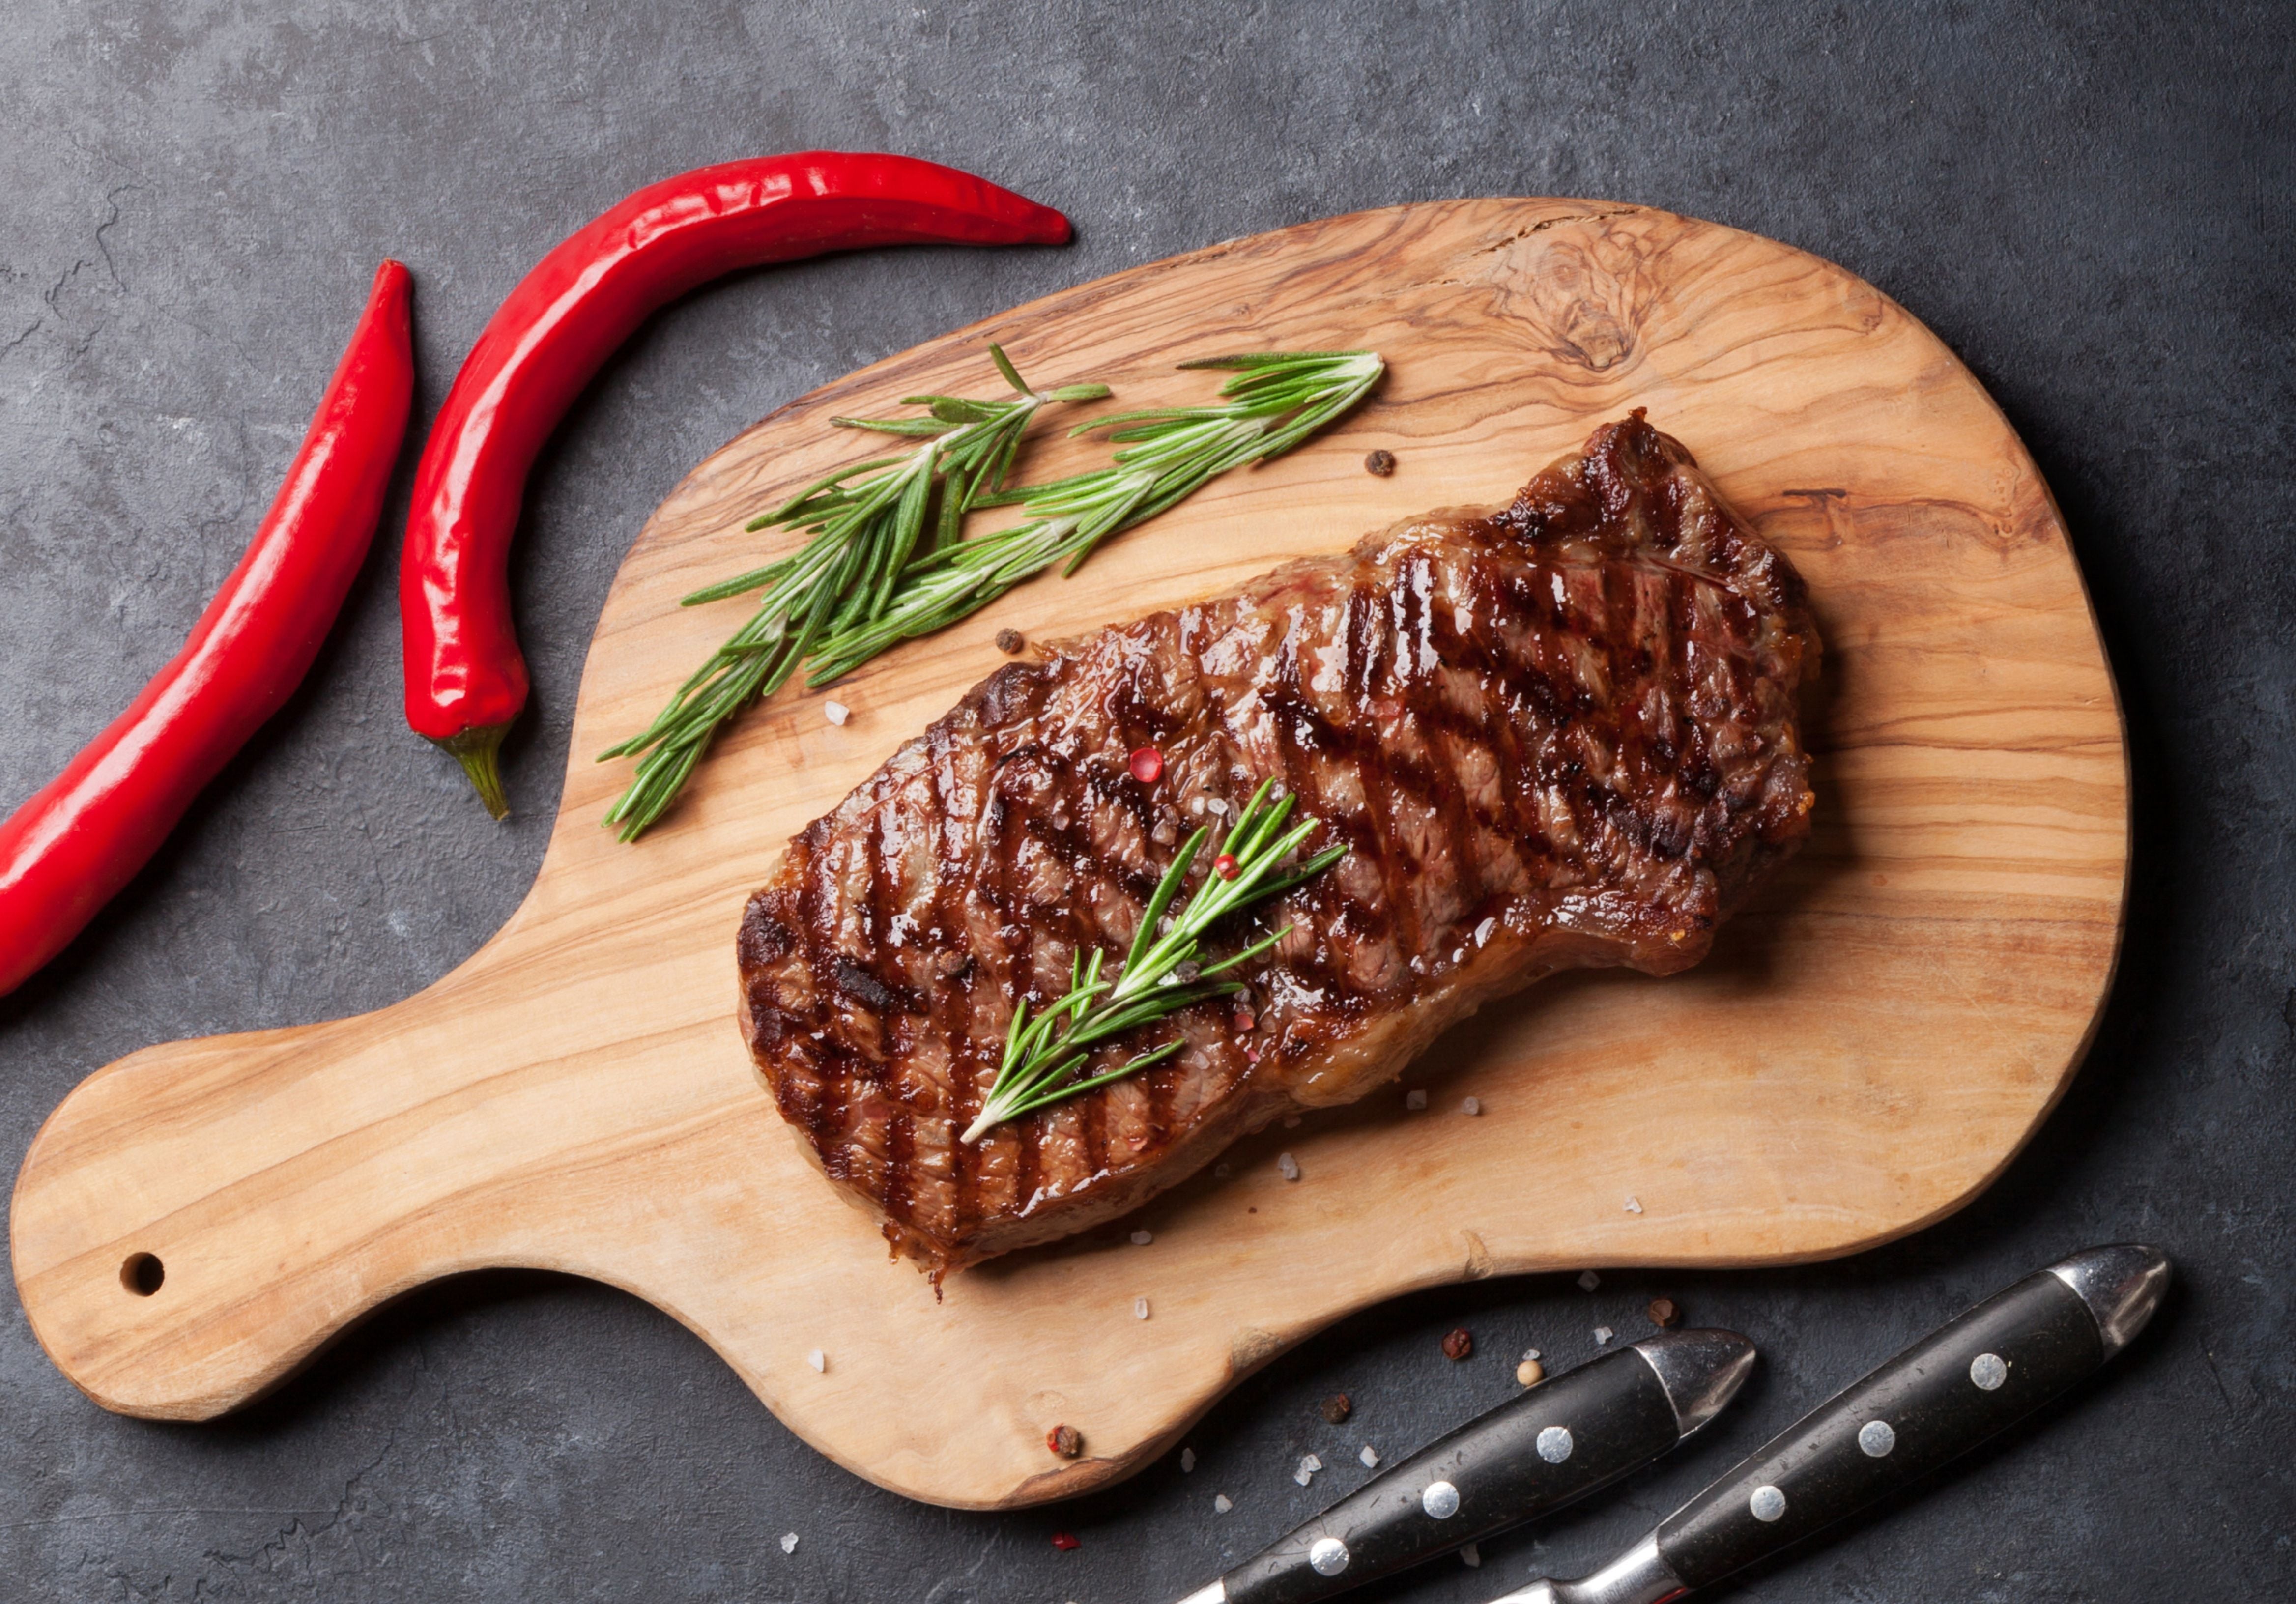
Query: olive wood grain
pixel 1870 1045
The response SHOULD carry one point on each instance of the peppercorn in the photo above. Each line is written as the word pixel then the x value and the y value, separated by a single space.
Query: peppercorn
pixel 1066 1542
pixel 1225 866
pixel 1458 1345
pixel 1338 1407
pixel 1380 462
pixel 1009 641
pixel 1530 1372
pixel 1064 1441
pixel 1664 1312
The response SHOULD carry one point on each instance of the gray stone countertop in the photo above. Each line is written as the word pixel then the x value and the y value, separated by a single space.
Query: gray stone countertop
pixel 2091 204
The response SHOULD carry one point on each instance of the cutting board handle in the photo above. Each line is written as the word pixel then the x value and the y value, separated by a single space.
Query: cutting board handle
pixel 197 1219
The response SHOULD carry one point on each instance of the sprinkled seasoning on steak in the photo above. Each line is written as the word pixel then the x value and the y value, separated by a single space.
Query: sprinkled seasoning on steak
pixel 1558 736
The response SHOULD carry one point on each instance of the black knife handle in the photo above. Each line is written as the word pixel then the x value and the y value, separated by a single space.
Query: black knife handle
pixel 1559 1440
pixel 1936 1400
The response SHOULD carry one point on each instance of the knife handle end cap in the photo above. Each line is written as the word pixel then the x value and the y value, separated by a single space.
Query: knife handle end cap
pixel 2122 1284
pixel 1701 1370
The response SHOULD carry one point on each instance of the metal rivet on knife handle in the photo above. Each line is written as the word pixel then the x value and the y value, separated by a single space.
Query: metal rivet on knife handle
pixel 1440 1500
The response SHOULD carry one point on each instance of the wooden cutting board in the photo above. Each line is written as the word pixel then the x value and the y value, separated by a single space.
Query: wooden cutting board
pixel 1867 1048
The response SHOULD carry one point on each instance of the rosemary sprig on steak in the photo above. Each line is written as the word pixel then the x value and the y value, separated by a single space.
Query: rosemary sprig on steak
pixel 1044 1057
pixel 867 522
pixel 1277 399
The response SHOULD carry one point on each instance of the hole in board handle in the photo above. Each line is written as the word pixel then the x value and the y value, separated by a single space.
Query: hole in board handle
pixel 143 1273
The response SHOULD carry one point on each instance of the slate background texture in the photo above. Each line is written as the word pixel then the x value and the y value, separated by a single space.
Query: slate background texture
pixel 2091 204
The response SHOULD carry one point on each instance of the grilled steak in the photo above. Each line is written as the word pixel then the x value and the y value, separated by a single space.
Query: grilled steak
pixel 1557 736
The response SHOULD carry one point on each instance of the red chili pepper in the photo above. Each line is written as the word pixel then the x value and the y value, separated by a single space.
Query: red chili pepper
pixel 72 847
pixel 465 680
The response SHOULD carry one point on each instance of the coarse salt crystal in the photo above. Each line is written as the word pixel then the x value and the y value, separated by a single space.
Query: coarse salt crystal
pixel 1219 807
pixel 1588 1280
pixel 1470 1555
pixel 1458 954
pixel 1287 1166
pixel 789 1543
pixel 1414 1098
pixel 1291 1122
pixel 1141 1239
pixel 1370 1457
pixel 1530 1355
pixel 1483 930
pixel 818 1360
pixel 1603 1334
pixel 1187 1460
pixel 836 712
pixel 1633 1205
pixel 1309 1465
pixel 1222 1502
pixel 1139 1308
pixel 1473 1105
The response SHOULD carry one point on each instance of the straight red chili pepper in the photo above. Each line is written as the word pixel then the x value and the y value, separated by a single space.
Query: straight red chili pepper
pixel 465 679
pixel 72 845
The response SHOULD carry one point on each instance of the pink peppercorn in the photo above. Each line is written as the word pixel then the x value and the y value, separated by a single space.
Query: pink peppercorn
pixel 1224 865
pixel 1147 765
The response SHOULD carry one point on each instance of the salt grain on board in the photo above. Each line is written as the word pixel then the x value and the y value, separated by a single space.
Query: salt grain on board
pixel 1603 1334
pixel 1309 1465
pixel 1187 1460
pixel 1470 1555
pixel 818 1360
pixel 1287 1166
pixel 789 1543
pixel 1415 1099
pixel 836 712
pixel 1141 1239
pixel 1473 1105
pixel 1588 1280
pixel 1633 1205
pixel 1370 1457
pixel 1222 1503
pixel 1139 1308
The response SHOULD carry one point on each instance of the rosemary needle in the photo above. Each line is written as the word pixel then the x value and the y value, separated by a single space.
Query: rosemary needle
pixel 867 522
pixel 1044 1057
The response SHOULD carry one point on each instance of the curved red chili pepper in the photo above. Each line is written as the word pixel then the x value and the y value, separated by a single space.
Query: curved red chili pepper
pixel 465 679
pixel 68 849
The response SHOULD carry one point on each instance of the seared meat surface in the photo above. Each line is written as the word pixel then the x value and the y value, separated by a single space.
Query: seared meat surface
pixel 1557 736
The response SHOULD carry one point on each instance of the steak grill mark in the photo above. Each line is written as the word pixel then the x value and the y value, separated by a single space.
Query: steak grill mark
pixel 1559 735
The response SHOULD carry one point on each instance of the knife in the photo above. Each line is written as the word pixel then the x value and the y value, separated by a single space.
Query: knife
pixel 1558 1441
pixel 1936 1400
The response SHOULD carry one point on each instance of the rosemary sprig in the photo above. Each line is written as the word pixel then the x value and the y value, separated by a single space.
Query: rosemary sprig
pixel 1044 1056
pixel 867 522
pixel 1277 399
